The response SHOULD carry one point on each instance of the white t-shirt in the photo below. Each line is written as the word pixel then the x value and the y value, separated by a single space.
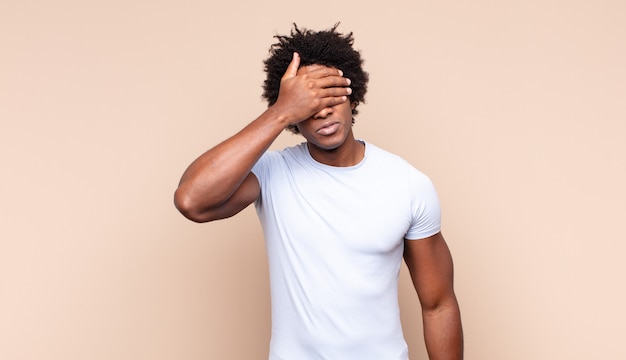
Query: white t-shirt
pixel 334 239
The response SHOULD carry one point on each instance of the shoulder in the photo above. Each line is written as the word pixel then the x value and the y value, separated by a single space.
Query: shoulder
pixel 382 157
pixel 273 161
pixel 386 162
pixel 285 154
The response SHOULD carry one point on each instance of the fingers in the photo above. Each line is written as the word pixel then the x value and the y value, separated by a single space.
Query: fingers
pixel 321 71
pixel 331 88
pixel 337 96
pixel 307 90
pixel 329 103
pixel 333 82
pixel 331 97
pixel 292 69
pixel 329 80
pixel 327 76
pixel 335 91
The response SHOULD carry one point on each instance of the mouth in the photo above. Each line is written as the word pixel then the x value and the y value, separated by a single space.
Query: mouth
pixel 328 128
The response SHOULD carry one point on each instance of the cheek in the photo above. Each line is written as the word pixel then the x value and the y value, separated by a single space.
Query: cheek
pixel 303 126
pixel 347 110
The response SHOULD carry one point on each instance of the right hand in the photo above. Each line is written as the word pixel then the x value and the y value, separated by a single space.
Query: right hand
pixel 316 88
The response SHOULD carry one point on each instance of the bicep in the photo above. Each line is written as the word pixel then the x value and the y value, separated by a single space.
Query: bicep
pixel 430 264
pixel 246 193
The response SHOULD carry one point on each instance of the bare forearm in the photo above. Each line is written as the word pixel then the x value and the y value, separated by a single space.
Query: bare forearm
pixel 211 188
pixel 215 175
pixel 443 332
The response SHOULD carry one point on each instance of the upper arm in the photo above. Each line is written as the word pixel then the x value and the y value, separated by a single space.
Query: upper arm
pixel 430 264
pixel 246 194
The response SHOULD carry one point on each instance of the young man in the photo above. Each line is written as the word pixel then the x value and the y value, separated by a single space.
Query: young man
pixel 338 214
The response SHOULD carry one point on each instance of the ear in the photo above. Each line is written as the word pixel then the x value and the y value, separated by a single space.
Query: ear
pixel 353 104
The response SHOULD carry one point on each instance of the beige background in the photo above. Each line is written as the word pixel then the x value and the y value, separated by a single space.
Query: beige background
pixel 514 108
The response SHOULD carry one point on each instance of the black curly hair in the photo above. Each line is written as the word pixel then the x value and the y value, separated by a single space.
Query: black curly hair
pixel 326 47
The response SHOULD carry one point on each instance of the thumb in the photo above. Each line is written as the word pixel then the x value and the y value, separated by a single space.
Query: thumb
pixel 292 69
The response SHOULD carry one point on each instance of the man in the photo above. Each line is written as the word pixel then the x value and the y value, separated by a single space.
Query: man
pixel 338 214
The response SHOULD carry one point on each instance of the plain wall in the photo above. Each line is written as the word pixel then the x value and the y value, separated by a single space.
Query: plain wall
pixel 515 109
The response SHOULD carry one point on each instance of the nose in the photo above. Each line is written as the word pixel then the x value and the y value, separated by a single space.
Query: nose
pixel 322 114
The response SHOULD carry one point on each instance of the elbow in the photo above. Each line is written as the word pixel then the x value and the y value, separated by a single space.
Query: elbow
pixel 189 207
pixel 442 304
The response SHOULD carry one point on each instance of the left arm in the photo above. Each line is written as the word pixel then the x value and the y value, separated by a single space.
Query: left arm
pixel 430 265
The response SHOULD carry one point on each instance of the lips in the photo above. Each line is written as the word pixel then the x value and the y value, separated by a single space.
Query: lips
pixel 328 129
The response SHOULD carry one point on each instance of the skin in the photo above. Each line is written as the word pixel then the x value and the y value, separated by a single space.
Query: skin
pixel 219 184
pixel 336 146
pixel 430 264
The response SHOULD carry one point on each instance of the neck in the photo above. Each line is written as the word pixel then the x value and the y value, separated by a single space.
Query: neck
pixel 350 153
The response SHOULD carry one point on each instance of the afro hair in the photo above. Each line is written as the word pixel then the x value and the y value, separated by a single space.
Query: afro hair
pixel 326 47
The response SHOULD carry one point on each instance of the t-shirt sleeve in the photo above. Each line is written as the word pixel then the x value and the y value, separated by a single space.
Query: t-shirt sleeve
pixel 262 169
pixel 426 211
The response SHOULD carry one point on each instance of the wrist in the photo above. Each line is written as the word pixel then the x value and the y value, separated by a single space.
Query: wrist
pixel 280 117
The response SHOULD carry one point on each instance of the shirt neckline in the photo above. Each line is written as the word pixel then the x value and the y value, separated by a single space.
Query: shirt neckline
pixel 319 165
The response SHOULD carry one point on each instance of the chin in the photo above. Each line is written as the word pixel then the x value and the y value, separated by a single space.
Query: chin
pixel 327 145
